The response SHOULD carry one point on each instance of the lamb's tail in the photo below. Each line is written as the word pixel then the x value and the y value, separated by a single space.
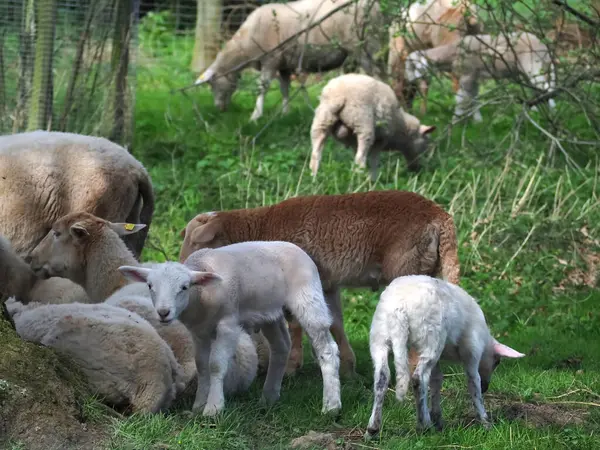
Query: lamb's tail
pixel 146 197
pixel 449 265
pixel 399 331
pixel 327 114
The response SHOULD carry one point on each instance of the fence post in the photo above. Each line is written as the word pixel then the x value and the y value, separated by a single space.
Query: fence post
pixel 208 32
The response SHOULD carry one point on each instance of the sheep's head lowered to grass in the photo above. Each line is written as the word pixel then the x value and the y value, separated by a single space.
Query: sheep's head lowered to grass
pixel 65 248
pixel 490 359
pixel 169 285
pixel 205 231
pixel 222 86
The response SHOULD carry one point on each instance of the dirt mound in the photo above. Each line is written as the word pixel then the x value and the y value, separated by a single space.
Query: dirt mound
pixel 39 394
pixel 544 414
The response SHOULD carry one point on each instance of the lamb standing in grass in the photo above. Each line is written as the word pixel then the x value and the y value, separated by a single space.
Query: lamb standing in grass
pixel 482 56
pixel 45 175
pixel 440 320
pixel 121 355
pixel 351 30
pixel 245 285
pixel 364 113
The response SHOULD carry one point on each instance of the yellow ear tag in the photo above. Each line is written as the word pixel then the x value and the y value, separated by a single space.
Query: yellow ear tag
pixel 129 226
pixel 201 78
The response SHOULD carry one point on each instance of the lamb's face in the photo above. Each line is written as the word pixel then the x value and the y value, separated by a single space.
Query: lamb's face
pixel 492 355
pixel 222 90
pixel 169 285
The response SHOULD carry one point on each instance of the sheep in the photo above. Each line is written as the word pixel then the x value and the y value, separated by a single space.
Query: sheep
pixel 245 285
pixel 45 175
pixel 364 113
pixel 483 56
pixel 431 24
pixel 440 320
pixel 88 250
pixel 16 277
pixel 322 48
pixel 362 239
pixel 121 355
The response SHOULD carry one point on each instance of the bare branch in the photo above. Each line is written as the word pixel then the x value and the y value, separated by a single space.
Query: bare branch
pixel 577 14
pixel 591 74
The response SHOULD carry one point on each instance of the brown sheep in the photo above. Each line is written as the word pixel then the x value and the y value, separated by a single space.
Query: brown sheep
pixel 356 240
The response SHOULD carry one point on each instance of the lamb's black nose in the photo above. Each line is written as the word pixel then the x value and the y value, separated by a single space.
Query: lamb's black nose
pixel 164 312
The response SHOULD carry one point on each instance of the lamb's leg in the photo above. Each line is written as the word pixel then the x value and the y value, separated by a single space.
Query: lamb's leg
pixel 437 377
pixel 465 97
pixel 474 385
pixel 278 337
pixel 365 140
pixel 420 384
pixel 379 355
pixel 321 127
pixel 221 353
pixel 266 76
pixel 296 359
pixel 373 159
pixel 202 347
pixel 347 357
pixel 423 89
pixel 309 306
pixel 284 87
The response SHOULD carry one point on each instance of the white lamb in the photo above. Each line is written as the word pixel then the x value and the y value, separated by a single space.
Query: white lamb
pixel 364 113
pixel 439 320
pixel 121 355
pixel 349 31
pixel 245 285
pixel 483 56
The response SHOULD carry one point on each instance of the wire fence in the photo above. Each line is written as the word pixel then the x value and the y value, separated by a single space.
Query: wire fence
pixel 68 65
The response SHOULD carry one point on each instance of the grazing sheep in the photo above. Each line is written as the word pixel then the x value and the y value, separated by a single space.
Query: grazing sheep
pixel 363 113
pixel 45 175
pixel 121 355
pixel 363 239
pixel 440 320
pixel 430 24
pixel 351 30
pixel 245 285
pixel 89 251
pixel 483 56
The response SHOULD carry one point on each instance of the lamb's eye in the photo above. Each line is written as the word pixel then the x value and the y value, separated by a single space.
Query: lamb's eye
pixel 184 288
pixel 150 286
pixel 56 234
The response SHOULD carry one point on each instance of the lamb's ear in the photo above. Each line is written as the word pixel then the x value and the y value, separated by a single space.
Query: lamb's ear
pixel 123 229
pixel 133 273
pixel 78 230
pixel 204 278
pixel 182 234
pixel 426 129
pixel 205 77
pixel 505 351
pixel 206 233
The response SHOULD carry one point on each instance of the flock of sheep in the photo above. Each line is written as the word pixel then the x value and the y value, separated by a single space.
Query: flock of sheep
pixel 73 229
pixel 362 111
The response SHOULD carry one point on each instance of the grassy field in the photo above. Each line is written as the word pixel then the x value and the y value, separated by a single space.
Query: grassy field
pixel 528 227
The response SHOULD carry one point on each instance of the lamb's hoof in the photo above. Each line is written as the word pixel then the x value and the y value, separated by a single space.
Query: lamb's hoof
pixel 333 411
pixel 486 425
pixel 188 414
pixel 212 410
pixel 268 399
pixel 370 434
pixel 424 427
pixel 292 367
pixel 348 370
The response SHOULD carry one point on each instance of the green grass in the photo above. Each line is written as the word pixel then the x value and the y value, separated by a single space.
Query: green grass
pixel 527 221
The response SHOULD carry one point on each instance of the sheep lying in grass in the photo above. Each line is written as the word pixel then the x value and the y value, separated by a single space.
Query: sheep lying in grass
pixel 245 285
pixel 440 320
pixel 121 355
pixel 363 113
pixel 363 239
pixel 483 56
pixel 45 175
pixel 89 251
pixel 351 30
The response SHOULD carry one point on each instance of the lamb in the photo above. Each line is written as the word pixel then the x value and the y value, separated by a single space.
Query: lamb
pixel 322 48
pixel 431 24
pixel 362 239
pixel 363 113
pixel 245 285
pixel 121 355
pixel 483 56
pixel 45 175
pixel 89 250
pixel 440 320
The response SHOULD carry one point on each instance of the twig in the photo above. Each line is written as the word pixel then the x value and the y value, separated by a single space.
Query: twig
pixel 585 75
pixel 274 49
pixel 566 402
pixel 577 14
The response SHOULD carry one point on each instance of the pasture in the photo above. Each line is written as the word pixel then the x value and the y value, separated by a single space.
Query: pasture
pixel 529 251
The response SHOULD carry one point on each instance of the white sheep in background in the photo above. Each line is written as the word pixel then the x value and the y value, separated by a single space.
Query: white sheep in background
pixel 364 113
pixel 121 355
pixel 440 320
pixel 349 31
pixel 483 56
pixel 47 174
pixel 245 284
pixel 89 251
